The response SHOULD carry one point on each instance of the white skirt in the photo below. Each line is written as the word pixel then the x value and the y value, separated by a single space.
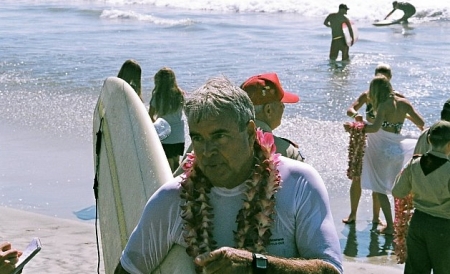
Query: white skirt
pixel 385 155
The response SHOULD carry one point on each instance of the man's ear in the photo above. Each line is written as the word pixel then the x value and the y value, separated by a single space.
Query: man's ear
pixel 251 131
pixel 448 146
pixel 267 110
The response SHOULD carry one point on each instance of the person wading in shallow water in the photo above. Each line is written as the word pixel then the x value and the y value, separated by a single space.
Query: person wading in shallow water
pixel 335 21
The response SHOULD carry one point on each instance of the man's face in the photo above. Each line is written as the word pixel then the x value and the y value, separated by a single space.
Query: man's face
pixel 276 113
pixel 223 152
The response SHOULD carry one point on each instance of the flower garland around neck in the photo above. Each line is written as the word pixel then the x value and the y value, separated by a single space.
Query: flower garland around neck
pixel 356 149
pixel 404 210
pixel 255 217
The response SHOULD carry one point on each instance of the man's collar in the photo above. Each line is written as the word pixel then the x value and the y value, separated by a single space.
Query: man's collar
pixel 263 125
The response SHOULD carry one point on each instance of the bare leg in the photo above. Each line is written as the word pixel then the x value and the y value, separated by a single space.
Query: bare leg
pixel 386 208
pixel 376 209
pixel 355 195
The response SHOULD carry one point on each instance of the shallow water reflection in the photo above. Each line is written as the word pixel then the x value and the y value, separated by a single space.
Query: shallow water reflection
pixel 361 240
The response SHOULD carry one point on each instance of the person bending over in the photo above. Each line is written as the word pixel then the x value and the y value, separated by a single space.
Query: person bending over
pixel 407 8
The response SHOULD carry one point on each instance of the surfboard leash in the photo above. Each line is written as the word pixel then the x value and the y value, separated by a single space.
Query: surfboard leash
pixel 98 144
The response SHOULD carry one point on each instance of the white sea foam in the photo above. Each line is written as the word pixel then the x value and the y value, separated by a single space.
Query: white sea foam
pixel 359 10
pixel 132 15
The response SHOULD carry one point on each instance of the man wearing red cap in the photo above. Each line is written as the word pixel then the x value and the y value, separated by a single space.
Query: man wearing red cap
pixel 335 21
pixel 268 97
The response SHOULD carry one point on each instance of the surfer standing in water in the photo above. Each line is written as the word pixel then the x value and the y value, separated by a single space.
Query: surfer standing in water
pixel 335 21
pixel 408 9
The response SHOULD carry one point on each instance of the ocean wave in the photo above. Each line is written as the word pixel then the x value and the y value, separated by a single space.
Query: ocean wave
pixel 429 10
pixel 131 15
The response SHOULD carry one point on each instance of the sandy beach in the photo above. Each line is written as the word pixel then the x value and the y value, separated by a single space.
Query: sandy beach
pixel 56 54
pixel 60 172
pixel 70 246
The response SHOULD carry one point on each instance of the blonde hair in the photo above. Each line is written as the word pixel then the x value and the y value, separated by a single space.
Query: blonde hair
pixel 380 90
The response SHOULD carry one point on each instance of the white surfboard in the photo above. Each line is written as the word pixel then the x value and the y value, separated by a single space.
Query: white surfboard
pixel 130 165
pixel 348 37
pixel 394 18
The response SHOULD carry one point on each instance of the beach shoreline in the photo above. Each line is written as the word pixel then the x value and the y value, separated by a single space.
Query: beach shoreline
pixel 70 246
pixel 55 180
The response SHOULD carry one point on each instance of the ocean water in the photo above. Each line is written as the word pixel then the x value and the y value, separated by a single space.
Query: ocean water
pixel 55 55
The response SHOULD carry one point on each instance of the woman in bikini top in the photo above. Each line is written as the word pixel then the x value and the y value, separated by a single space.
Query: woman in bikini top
pixel 390 110
pixel 396 126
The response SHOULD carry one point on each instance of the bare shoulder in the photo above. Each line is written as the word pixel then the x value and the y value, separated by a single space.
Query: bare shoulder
pixel 398 94
pixel 402 100
pixel 363 96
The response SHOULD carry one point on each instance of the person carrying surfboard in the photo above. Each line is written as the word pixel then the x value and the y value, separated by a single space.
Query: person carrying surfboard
pixel 408 9
pixel 239 207
pixel 335 21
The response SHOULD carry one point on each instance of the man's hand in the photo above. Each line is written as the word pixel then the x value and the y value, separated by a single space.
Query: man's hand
pixel 225 260
pixel 8 258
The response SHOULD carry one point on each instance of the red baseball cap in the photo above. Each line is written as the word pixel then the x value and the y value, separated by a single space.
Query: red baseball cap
pixel 266 88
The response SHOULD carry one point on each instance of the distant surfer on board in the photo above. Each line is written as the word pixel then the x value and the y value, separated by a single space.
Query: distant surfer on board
pixel 335 21
pixel 239 207
pixel 408 9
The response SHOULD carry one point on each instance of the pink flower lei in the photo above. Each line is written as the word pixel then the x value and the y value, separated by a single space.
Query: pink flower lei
pixel 404 210
pixel 255 217
pixel 356 149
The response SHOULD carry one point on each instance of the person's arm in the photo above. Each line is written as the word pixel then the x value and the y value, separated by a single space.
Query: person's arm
pixel 376 125
pixel 352 111
pixel 350 29
pixel 402 184
pixel 389 14
pixel 415 117
pixel 231 260
pixel 154 235
pixel 327 21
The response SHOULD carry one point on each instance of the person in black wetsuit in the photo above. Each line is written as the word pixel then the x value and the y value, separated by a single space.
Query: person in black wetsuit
pixel 408 9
